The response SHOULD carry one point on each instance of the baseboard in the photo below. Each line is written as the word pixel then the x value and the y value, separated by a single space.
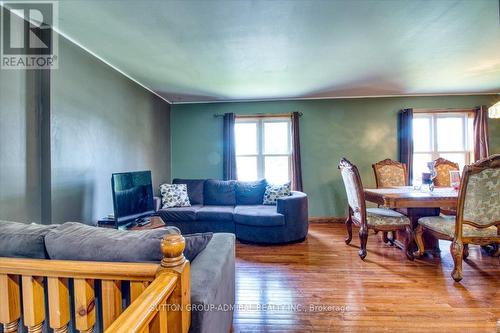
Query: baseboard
pixel 327 219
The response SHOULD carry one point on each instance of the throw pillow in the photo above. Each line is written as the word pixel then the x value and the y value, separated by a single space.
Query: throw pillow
pixel 274 192
pixel 195 189
pixel 174 195
pixel 195 243
pixel 77 241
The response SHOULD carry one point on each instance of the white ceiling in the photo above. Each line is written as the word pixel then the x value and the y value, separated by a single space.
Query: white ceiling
pixel 190 51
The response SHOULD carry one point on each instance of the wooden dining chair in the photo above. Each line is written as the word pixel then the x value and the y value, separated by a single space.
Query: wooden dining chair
pixel 390 173
pixel 442 168
pixel 478 213
pixel 377 219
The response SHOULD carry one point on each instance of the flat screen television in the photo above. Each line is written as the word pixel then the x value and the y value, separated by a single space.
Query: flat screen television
pixel 132 196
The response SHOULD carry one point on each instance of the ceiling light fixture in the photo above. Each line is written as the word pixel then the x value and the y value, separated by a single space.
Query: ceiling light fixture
pixel 494 110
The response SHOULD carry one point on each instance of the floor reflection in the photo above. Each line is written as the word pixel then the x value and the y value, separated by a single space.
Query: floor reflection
pixel 321 285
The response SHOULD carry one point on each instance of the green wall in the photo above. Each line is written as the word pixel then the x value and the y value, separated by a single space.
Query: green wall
pixel 363 130
pixel 101 123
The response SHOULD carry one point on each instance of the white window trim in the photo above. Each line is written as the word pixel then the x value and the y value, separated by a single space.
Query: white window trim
pixel 467 143
pixel 469 150
pixel 261 139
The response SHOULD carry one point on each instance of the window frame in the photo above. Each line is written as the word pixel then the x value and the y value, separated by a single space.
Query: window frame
pixel 467 144
pixel 260 144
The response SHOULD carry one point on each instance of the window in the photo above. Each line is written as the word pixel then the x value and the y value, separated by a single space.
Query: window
pixel 447 135
pixel 263 149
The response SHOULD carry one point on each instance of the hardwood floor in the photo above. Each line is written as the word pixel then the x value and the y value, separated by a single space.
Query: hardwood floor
pixel 384 293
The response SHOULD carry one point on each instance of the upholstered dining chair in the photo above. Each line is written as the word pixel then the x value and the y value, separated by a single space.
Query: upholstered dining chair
pixel 377 219
pixel 478 213
pixel 442 168
pixel 390 173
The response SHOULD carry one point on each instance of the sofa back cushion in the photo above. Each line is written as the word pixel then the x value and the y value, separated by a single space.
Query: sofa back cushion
pixel 21 240
pixel 250 193
pixel 195 189
pixel 76 241
pixel 220 192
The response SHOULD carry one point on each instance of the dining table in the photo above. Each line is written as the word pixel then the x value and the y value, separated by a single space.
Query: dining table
pixel 415 203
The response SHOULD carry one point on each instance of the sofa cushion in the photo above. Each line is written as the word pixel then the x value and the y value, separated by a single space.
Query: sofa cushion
pixel 220 192
pixel 195 189
pixel 76 241
pixel 179 213
pixel 258 215
pixel 215 213
pixel 250 193
pixel 21 240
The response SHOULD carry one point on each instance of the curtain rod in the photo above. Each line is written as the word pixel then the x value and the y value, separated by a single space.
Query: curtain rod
pixel 259 115
pixel 430 110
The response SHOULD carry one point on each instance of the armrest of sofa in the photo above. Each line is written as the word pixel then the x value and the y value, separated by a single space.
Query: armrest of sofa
pixel 294 208
pixel 157 203
pixel 213 286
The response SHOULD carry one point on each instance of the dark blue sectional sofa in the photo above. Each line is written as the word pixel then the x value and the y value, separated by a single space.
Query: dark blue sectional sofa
pixel 236 207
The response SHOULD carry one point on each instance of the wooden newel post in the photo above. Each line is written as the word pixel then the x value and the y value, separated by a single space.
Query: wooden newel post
pixel 172 247
pixel 178 312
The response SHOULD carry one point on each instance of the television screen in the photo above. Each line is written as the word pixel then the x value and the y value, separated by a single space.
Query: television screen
pixel 132 195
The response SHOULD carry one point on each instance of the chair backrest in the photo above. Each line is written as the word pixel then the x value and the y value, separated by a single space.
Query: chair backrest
pixel 390 173
pixel 479 198
pixel 442 168
pixel 354 189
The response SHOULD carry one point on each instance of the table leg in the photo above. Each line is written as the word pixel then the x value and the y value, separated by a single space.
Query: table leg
pixel 431 243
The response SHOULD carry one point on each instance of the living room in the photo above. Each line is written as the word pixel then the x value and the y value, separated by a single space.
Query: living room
pixel 260 131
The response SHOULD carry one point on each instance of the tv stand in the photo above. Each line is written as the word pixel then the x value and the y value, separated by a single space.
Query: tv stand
pixel 143 221
pixel 154 222
pixel 150 222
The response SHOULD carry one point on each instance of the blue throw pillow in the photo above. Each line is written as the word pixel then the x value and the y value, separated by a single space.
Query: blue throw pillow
pixel 195 243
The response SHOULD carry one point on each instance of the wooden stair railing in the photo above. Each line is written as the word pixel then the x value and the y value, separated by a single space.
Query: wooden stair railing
pixel 164 306
pixel 159 294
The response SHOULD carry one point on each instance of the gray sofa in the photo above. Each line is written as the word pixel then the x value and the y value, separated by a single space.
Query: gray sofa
pixel 236 207
pixel 212 274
